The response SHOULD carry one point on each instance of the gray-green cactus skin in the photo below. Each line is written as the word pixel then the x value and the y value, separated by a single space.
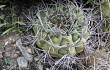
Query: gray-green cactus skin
pixel 55 36
pixel 106 13
pixel 104 10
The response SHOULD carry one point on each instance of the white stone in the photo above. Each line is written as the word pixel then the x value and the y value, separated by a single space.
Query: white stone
pixel 22 62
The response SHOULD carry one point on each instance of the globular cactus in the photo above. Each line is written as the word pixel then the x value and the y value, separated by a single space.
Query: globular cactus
pixel 60 29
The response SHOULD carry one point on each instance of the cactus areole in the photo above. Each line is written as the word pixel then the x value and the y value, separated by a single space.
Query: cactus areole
pixel 61 29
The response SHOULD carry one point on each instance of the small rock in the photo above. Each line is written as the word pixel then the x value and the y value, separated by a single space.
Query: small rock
pixel 6 43
pixel 47 69
pixel 29 50
pixel 36 58
pixel 14 45
pixel 40 66
pixel 10 39
pixel 17 52
pixel 13 39
pixel 13 66
pixel 14 55
pixel 8 48
pixel 1 56
pixel 22 62
pixel 7 54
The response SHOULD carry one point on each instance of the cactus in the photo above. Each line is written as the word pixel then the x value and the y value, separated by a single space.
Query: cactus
pixel 59 29
pixel 106 13
pixel 104 10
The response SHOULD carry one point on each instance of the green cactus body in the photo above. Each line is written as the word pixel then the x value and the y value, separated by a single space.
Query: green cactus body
pixel 67 40
pixel 72 50
pixel 85 34
pixel 61 41
pixel 40 43
pixel 106 26
pixel 35 28
pixel 75 37
pixel 56 40
pixel 106 9
pixel 62 50
pixel 105 29
pixel 79 48
pixel 105 12
pixel 54 53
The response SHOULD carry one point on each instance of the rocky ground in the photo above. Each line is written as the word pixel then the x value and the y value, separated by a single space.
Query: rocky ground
pixel 12 58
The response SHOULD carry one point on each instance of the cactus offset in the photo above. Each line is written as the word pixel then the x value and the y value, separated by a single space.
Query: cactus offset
pixel 104 11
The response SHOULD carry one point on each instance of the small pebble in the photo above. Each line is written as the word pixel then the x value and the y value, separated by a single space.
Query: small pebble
pixel 10 39
pixel 8 48
pixel 1 56
pixel 7 54
pixel 22 62
pixel 29 50
pixel 14 55
pixel 14 45
pixel 36 58
pixel 6 43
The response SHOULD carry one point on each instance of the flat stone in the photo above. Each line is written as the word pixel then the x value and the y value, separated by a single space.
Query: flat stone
pixel 8 48
pixel 22 62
